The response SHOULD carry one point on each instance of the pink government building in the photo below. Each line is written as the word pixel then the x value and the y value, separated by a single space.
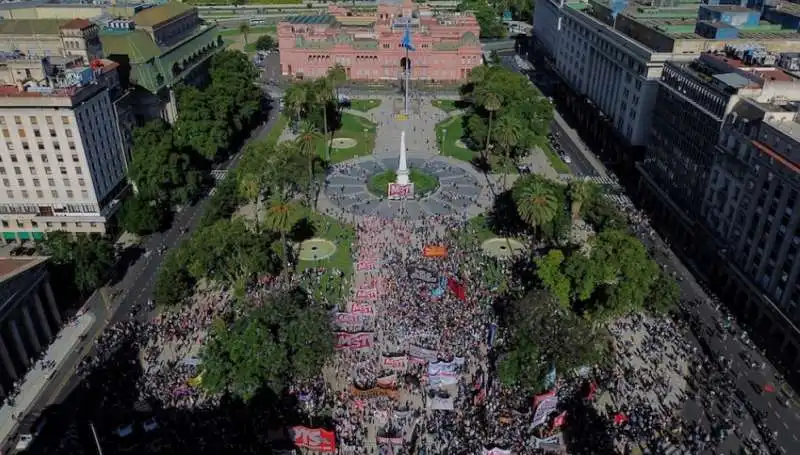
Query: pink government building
pixel 367 44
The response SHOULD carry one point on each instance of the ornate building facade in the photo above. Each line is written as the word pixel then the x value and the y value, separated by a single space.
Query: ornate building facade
pixel 367 44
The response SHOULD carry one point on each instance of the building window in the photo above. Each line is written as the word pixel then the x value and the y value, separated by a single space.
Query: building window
pixel 10 145
pixel 9 194
pixel 29 158
pixel 21 133
pixel 40 145
pixel 52 132
pixel 6 183
pixel 48 119
pixel 63 170
pixel 65 120
pixel 44 158
pixel 32 170
pixel 24 194
pixel 17 120
pixel 48 171
pixel 84 194
pixel 60 158
pixel 6 133
pixel 71 145
pixel 51 182
pixel 81 182
pixel 67 182
pixel 78 170
pixel 37 183
pixel 37 133
pixel 39 194
pixel 78 224
pixel 20 182
pixel 54 193
pixel 13 158
pixel 68 133
pixel 75 158
pixel 70 194
pixel 33 120
pixel 17 170
pixel 25 145
pixel 34 224
pixel 56 145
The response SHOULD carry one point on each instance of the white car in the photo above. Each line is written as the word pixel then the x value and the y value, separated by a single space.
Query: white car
pixel 566 159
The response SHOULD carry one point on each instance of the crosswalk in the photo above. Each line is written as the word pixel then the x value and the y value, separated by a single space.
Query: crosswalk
pixel 218 174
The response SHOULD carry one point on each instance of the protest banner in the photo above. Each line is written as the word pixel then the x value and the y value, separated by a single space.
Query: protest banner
pixel 315 439
pixel 367 294
pixel 398 363
pixel 354 341
pixel 353 322
pixel 543 411
pixel 375 392
pixel 439 380
pixel 496 451
pixel 434 251
pixel 441 404
pixel 392 441
pixel 422 274
pixel 388 382
pixel 427 355
pixel 397 191
pixel 363 308
pixel 442 368
pixel 551 444
pixel 366 265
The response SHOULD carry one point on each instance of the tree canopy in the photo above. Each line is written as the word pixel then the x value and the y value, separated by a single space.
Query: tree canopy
pixel 487 17
pixel 84 261
pixel 542 335
pixel 519 113
pixel 286 338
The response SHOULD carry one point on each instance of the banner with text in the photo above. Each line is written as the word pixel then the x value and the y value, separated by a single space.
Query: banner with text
pixel 496 451
pixel 388 382
pixel 315 439
pixel 367 294
pixel 434 251
pixel 392 441
pixel 366 265
pixel 442 404
pixel 362 308
pixel 543 411
pixel 442 368
pixel 396 363
pixel 354 341
pixel 353 322
pixel 427 355
pixel 375 392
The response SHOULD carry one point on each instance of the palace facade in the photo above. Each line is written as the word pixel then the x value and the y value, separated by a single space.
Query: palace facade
pixel 367 44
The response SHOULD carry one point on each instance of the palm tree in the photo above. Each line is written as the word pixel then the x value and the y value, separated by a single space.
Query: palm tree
pixel 508 135
pixel 244 29
pixel 306 140
pixel 578 192
pixel 322 94
pixel 536 204
pixel 280 218
pixel 295 99
pixel 491 104
pixel 337 75
pixel 253 179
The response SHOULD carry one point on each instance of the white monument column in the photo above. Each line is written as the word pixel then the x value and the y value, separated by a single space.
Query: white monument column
pixel 23 353
pixel 32 333
pixel 402 168
pixel 51 302
pixel 37 303
pixel 8 364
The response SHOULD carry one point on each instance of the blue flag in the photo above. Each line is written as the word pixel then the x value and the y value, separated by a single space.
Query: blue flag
pixel 406 41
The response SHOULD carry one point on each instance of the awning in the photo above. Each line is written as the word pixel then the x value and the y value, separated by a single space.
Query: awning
pixel 23 235
pixel 9 236
pixel 38 235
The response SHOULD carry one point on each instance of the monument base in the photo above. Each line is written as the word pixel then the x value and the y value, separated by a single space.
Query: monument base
pixel 399 191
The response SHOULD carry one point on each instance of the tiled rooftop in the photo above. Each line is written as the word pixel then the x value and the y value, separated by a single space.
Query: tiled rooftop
pixel 316 19
pixel 151 17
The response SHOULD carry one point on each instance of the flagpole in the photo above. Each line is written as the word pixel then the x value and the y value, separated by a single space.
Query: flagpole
pixel 408 69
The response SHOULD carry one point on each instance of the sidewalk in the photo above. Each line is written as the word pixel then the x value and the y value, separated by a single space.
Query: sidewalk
pixel 36 380
pixel 576 139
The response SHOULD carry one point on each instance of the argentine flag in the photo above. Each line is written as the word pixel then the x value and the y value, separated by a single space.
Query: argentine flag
pixel 406 41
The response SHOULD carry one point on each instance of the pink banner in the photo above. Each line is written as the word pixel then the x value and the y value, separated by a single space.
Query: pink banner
pixel 392 441
pixel 399 363
pixel 368 294
pixel 315 439
pixel 353 322
pixel 354 341
pixel 364 266
pixel 362 308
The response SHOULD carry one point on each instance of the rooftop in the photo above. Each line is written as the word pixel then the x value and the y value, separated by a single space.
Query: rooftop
pixel 727 8
pixel 316 19
pixel 77 24
pixel 99 68
pixel 32 26
pixel 10 266
pixel 151 17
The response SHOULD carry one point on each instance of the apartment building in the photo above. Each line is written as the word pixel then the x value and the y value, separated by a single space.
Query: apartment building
pixel 751 206
pixel 51 38
pixel 63 157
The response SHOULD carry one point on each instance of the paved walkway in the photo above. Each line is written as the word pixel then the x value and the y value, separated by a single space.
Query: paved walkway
pixel 37 377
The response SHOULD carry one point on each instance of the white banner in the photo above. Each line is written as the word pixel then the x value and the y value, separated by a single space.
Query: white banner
pixel 353 322
pixel 439 381
pixel 422 353
pixel 496 451
pixel 554 443
pixel 442 404
pixel 388 382
pixel 460 361
pixel 543 411
pixel 442 369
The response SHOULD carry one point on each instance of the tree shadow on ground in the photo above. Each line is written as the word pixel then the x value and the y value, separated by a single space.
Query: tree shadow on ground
pixel 127 257
pixel 586 431
pixel 108 399
pixel 303 229
pixel 503 217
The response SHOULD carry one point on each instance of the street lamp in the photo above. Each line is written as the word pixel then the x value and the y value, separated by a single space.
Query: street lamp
pixel 444 138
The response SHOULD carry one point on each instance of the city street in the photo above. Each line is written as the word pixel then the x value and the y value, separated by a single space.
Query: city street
pixel 749 381
pixel 133 289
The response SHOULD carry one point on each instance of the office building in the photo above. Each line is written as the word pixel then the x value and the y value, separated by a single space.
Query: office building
pixel 63 156
pixel 611 56
pixel 367 43
pixel 29 316
pixel 752 209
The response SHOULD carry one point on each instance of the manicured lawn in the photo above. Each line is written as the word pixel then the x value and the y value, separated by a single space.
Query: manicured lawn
pixel 364 105
pixel 335 272
pixel 558 164
pixel 446 105
pixel 447 133
pixel 253 34
pixel 423 182
pixel 354 127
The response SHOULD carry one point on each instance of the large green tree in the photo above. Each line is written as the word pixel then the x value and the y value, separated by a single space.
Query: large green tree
pixel 161 169
pixel 286 338
pixel 200 125
pixel 84 260
pixel 536 203
pixel 487 17
pixel 142 217
pixel 174 284
pixel 542 334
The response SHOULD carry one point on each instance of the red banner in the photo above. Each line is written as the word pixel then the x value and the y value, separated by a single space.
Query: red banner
pixel 315 439
pixel 398 191
pixel 368 294
pixel 396 363
pixel 457 289
pixel 366 265
pixel 362 308
pixel 354 341
pixel 434 251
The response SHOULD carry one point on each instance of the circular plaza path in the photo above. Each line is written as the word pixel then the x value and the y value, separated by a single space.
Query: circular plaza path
pixel 460 192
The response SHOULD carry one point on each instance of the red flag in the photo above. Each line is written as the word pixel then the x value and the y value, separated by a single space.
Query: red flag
pixel 539 398
pixel 559 420
pixel 591 391
pixel 457 289
pixel 768 388
pixel 620 418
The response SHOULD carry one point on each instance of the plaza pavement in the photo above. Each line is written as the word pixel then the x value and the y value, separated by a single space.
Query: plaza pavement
pixel 37 378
